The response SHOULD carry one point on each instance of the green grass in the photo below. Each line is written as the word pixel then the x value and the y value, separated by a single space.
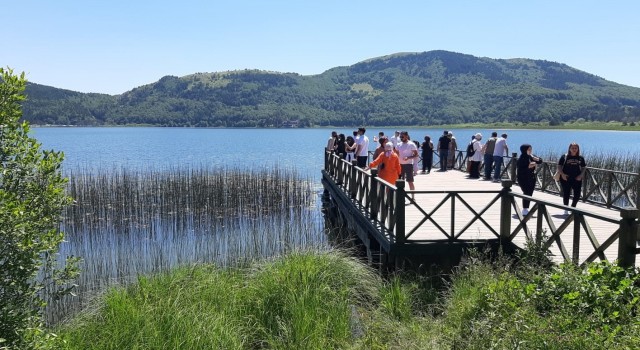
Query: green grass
pixel 586 125
pixel 327 300
pixel 304 300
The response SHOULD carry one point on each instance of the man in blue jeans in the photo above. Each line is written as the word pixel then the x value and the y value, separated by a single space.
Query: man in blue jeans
pixel 499 151
pixel 443 150
pixel 487 150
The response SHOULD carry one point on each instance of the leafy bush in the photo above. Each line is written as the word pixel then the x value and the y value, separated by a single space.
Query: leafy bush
pixel 564 308
pixel 31 199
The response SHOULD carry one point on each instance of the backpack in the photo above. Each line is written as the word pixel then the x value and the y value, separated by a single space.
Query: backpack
pixel 470 150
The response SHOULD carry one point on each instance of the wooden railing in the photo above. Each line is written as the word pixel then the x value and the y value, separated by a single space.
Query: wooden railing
pixel 610 188
pixel 384 204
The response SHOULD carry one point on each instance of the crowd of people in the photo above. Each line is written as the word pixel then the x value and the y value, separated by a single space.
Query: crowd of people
pixel 397 157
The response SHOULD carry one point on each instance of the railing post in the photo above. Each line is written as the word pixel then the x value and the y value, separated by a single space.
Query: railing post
pixel 545 177
pixel 399 212
pixel 514 165
pixel 373 195
pixel 453 217
pixel 637 196
pixel 577 221
pixel 628 237
pixel 608 200
pixel 505 210
pixel 339 171
pixel 353 185
pixel 326 160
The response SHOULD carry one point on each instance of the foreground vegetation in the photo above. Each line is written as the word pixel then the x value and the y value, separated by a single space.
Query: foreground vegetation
pixel 31 200
pixel 326 300
pixel 127 222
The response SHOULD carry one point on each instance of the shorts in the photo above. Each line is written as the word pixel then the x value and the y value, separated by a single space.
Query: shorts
pixel 406 172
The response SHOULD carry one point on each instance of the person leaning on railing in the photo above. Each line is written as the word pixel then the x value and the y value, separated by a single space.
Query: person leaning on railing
pixel 388 164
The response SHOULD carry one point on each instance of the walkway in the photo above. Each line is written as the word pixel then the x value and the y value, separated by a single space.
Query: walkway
pixel 458 182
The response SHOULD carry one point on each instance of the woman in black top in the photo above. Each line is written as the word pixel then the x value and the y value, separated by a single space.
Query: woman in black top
pixel 427 155
pixel 526 167
pixel 571 167
pixel 340 146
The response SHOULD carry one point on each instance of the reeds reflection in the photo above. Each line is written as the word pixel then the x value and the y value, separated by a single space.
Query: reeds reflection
pixel 129 222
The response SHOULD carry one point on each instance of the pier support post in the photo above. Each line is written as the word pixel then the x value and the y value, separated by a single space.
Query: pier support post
pixel 400 220
pixel 505 210
pixel 628 237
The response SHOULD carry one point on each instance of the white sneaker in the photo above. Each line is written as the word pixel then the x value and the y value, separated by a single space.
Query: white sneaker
pixel 525 211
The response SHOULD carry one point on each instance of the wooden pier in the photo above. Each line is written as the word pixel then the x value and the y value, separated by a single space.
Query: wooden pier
pixel 448 213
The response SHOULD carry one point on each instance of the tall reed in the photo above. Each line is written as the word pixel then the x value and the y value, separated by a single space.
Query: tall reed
pixel 614 174
pixel 624 162
pixel 125 223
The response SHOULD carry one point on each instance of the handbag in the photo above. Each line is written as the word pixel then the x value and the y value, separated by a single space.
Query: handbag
pixel 556 176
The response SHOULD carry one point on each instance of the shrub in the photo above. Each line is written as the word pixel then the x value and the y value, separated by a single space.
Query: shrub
pixel 31 199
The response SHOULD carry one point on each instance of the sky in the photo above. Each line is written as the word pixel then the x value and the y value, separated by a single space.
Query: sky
pixel 114 46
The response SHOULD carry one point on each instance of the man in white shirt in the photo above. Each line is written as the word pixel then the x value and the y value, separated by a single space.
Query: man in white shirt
pixel 499 151
pixel 362 149
pixel 476 159
pixel 407 151
pixel 395 139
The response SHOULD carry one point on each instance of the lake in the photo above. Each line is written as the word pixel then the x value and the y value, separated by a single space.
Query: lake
pixel 132 234
pixel 300 149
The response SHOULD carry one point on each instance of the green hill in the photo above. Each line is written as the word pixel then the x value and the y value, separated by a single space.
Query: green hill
pixel 429 88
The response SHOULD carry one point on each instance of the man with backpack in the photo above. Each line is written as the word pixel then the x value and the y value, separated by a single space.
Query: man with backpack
pixel 470 153
pixel 476 157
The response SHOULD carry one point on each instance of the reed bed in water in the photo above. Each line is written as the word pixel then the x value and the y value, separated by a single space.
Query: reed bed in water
pixel 617 161
pixel 125 223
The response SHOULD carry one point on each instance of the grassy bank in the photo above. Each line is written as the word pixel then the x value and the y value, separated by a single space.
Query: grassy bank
pixel 323 300
pixel 614 125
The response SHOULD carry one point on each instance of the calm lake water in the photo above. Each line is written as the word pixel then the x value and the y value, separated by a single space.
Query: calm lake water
pixel 154 242
pixel 301 149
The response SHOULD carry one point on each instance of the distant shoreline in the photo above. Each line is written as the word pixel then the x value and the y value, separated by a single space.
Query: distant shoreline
pixel 612 126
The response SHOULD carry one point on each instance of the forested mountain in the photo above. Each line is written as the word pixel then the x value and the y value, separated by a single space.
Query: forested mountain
pixel 428 88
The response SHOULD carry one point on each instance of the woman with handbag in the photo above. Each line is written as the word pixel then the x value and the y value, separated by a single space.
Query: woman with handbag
pixel 571 168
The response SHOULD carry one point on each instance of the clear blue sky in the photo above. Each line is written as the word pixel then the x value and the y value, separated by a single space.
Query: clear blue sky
pixel 114 46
